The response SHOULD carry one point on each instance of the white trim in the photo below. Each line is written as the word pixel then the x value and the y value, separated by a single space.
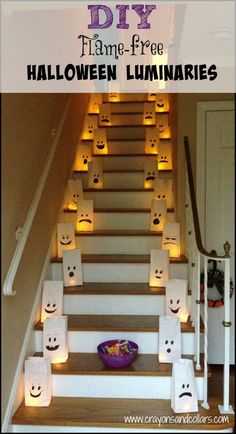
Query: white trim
pixel 8 284
pixel 11 406
pixel 202 109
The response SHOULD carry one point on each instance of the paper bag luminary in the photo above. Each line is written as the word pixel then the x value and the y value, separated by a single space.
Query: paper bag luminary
pixel 165 156
pixel 90 124
pixel 52 299
pixel 83 157
pixel 149 114
pixel 158 215
pixel 163 126
pixel 114 97
pixel 162 102
pixel 159 268
pixel 105 115
pixel 72 268
pixel 163 189
pixel 177 299
pixel 171 239
pixel 84 222
pixel 152 140
pixel 150 173
pixel 65 237
pixel 169 339
pixel 183 387
pixel 55 339
pixel 94 102
pixel 152 96
pixel 37 382
pixel 100 141
pixel 95 174
pixel 74 193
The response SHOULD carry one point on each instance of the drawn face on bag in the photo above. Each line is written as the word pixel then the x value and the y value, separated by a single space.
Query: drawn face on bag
pixel 35 390
pixel 177 298
pixel 152 96
pixel 185 387
pixel 54 339
pixel 152 140
pixel 90 124
pixel 171 238
pixel 165 156
pixel 163 190
pixel 83 157
pixel 158 215
pixel 95 100
pixel 114 97
pixel 75 193
pixel 52 299
pixel 149 114
pixel 72 268
pixel 150 173
pixel 163 126
pixel 37 382
pixel 162 103
pixel 85 216
pixel 65 237
pixel 100 141
pixel 159 268
pixel 105 114
pixel 95 172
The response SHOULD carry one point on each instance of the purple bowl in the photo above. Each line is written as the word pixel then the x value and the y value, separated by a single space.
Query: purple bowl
pixel 121 360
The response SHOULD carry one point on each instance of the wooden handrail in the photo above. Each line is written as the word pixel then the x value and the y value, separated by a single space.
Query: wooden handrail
pixel 196 224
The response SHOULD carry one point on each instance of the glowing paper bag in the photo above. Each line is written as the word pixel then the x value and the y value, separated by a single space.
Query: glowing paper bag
pixel 149 114
pixel 95 174
pixel 65 237
pixel 100 141
pixel 177 298
pixel 162 102
pixel 90 124
pixel 84 222
pixel 183 387
pixel 55 339
pixel 152 96
pixel 163 189
pixel 150 173
pixel 83 157
pixel 159 268
pixel 152 140
pixel 74 193
pixel 164 126
pixel 37 382
pixel 94 101
pixel 105 114
pixel 72 268
pixel 169 339
pixel 158 215
pixel 171 239
pixel 52 299
pixel 165 156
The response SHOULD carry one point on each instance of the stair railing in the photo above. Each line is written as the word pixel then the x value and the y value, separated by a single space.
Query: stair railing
pixel 198 256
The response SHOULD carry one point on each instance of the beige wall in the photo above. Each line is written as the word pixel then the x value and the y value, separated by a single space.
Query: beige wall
pixel 27 121
pixel 187 126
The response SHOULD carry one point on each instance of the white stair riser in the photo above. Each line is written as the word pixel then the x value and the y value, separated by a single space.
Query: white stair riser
pixel 125 163
pixel 121 180
pixel 132 133
pixel 111 386
pixel 115 304
pixel 94 272
pixel 87 341
pixel 117 199
pixel 117 245
pixel 85 429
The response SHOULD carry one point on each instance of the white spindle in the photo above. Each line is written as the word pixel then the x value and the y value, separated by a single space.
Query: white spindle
pixel 197 304
pixel 205 391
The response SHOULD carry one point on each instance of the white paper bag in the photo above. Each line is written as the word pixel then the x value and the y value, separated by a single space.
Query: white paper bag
pixel 162 102
pixel 177 298
pixel 55 345
pixel 158 214
pixel 159 268
pixel 38 382
pixel 183 389
pixel 105 115
pixel 83 157
pixel 149 114
pixel 171 239
pixel 163 189
pixel 152 140
pixel 100 141
pixel 164 126
pixel 65 237
pixel 72 268
pixel 169 339
pixel 84 222
pixel 94 101
pixel 150 172
pixel 95 174
pixel 74 193
pixel 165 156
pixel 52 299
pixel 90 124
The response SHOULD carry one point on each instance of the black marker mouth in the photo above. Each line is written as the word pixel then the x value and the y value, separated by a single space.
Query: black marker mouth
pixel 156 221
pixel 90 131
pixel 105 120
pixel 85 161
pixel 160 105
pixel 52 348
pixel 150 178
pixel 168 350
pixel 50 311
pixel 65 244
pixel 85 220
pixel 161 130
pixel 71 274
pixel 35 396
pixel 163 161
pixel 95 181
pixel 100 146
pixel 165 244
pixel 158 277
pixel 148 117
pixel 175 310
pixel 185 394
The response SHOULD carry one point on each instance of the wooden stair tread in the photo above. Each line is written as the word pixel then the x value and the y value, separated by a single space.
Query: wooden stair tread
pixel 91 364
pixel 110 288
pixel 139 154
pixel 110 412
pixel 121 259
pixel 135 323
pixel 127 139
pixel 119 233
pixel 118 190
pixel 118 210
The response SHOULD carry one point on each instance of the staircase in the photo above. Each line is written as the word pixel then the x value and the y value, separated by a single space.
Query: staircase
pixel 116 301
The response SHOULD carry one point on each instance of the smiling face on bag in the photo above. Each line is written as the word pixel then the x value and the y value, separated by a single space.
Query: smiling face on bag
pixel 55 339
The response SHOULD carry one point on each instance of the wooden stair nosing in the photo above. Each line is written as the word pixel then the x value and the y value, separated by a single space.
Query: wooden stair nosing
pixel 111 413
pixel 115 323
pixel 91 364
pixel 118 233
pixel 128 139
pixel 119 112
pixel 120 259
pixel 120 190
pixel 118 210
pixel 122 154
pixel 123 170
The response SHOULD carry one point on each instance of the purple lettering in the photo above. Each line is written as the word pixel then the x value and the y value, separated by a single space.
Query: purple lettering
pixel 143 13
pixel 122 10
pixel 95 23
